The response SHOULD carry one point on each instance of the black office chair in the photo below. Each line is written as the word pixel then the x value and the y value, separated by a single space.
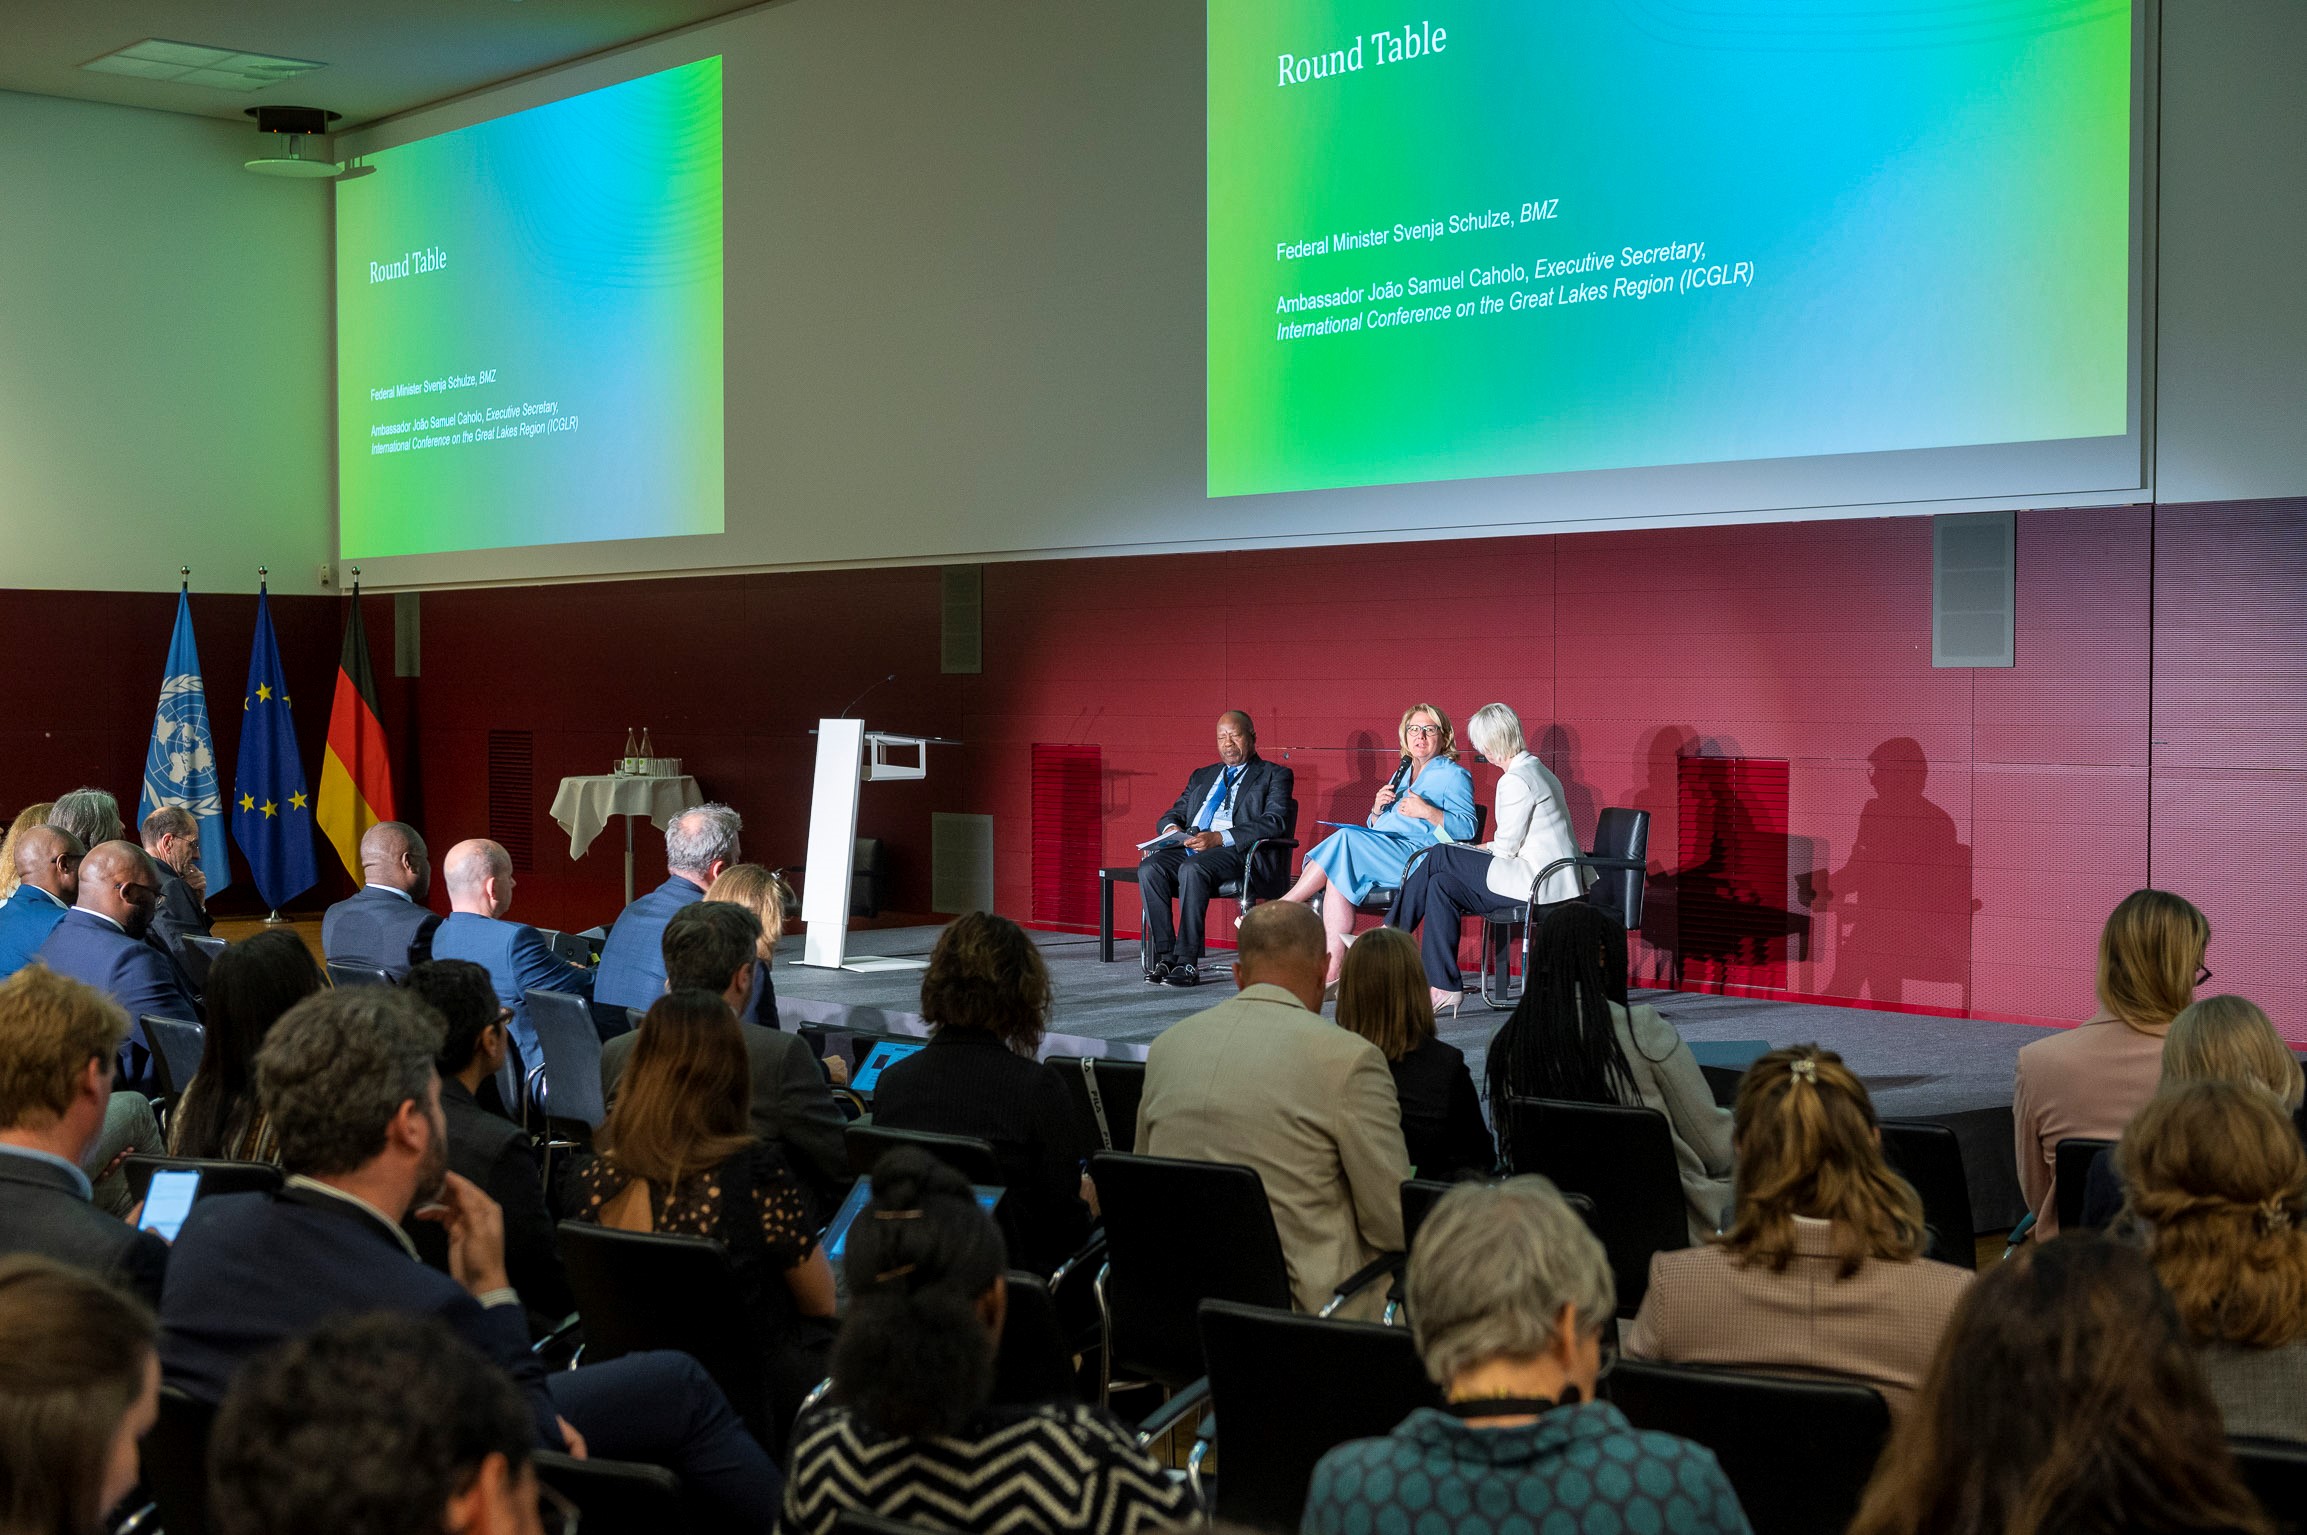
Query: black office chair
pixel 1926 1154
pixel 358 975
pixel 200 951
pixel 2276 1472
pixel 645 1290
pixel 1620 857
pixel 1419 1196
pixel 1265 875
pixel 966 1154
pixel 616 1497
pixel 2070 1178
pixel 1622 1158
pixel 1287 1389
pixel 1034 1364
pixel 1107 1090
pixel 176 1050
pixel 175 1462
pixel 1381 901
pixel 217 1175
pixel 566 1083
pixel 1797 1452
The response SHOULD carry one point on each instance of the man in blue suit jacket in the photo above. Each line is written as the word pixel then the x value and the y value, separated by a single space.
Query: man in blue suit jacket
pixel 480 880
pixel 101 941
pixel 385 924
pixel 1239 799
pixel 346 1079
pixel 48 868
pixel 699 843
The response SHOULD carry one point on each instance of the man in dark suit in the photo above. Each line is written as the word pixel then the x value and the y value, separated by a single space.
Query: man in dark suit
pixel 485 1146
pixel 1228 805
pixel 346 1079
pixel 385 924
pixel 58 1042
pixel 48 872
pixel 480 880
pixel 172 838
pixel 102 941
pixel 709 947
pixel 699 843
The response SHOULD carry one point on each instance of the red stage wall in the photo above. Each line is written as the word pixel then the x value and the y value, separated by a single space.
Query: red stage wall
pixel 1953 838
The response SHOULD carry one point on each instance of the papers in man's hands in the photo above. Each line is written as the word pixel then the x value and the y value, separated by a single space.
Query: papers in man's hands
pixel 1166 839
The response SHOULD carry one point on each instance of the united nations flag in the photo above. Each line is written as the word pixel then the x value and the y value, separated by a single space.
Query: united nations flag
pixel 271 812
pixel 180 762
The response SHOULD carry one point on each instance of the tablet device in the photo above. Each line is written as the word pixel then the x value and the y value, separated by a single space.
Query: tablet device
pixel 884 1054
pixel 169 1200
pixel 860 1194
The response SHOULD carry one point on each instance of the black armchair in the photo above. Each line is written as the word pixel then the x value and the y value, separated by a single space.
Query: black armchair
pixel 1621 856
pixel 1265 875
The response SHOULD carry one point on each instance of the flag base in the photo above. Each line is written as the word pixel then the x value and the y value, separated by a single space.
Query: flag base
pixel 274 916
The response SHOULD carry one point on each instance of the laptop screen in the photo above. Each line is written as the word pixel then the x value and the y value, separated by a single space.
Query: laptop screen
pixel 884 1054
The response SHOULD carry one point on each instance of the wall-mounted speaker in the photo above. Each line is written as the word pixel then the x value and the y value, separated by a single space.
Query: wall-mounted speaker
pixel 1974 589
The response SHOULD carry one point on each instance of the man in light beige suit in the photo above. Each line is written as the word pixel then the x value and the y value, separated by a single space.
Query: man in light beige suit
pixel 1266 1080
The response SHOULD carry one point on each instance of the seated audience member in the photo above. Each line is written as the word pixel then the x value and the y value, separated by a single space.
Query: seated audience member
pixel 172 837
pixel 1530 831
pixel 1239 799
pixel 251 984
pixel 2218 1039
pixel 713 946
pixel 2085 1083
pixel 1822 1267
pixel 987 1000
pixel 1264 1080
pixel 480 881
pixel 346 1079
pixel 700 843
pixel 678 1154
pixel 27 818
pixel 2218 1185
pixel 1509 1297
pixel 385 1425
pixel 1573 1037
pixel 59 1041
pixel 101 941
pixel 1382 996
pixel 385 924
pixel 763 893
pixel 46 863
pixel 909 1434
pixel 79 1386
pixel 484 1146
pixel 2064 1398
pixel 92 815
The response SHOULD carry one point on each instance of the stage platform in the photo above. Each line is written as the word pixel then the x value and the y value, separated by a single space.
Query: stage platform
pixel 1957 1071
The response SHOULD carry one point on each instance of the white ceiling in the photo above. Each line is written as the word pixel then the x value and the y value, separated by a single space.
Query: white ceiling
pixel 382 56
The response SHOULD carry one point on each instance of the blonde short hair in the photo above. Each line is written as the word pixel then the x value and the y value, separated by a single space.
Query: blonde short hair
pixel 1492 1269
pixel 2148 954
pixel 1382 992
pixel 2229 1039
pixel 1448 746
pixel 761 891
pixel 51 1027
pixel 27 818
pixel 1496 732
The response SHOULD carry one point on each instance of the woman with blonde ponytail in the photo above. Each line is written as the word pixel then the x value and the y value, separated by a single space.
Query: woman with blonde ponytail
pixel 1821 1269
pixel 2218 1187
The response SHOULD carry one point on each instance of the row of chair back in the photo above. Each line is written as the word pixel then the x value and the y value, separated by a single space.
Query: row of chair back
pixel 176 1050
pixel 1106 1092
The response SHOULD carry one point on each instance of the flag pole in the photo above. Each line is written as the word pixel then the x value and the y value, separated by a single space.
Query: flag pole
pixel 263 571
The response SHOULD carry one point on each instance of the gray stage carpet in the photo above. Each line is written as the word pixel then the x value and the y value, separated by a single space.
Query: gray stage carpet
pixel 1954 1070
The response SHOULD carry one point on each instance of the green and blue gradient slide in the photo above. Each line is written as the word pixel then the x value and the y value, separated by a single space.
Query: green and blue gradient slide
pixel 1451 239
pixel 529 327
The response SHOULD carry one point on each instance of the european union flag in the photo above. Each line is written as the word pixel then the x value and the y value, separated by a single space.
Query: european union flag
pixel 180 764
pixel 271 812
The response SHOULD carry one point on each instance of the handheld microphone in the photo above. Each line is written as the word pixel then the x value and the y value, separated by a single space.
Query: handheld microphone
pixel 892 677
pixel 1401 774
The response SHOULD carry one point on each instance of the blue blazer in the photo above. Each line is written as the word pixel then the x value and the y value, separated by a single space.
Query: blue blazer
pixel 517 961
pixel 26 919
pixel 379 929
pixel 252 1270
pixel 632 970
pixel 141 978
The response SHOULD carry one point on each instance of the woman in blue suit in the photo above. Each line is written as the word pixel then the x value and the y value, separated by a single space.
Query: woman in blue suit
pixel 1430 800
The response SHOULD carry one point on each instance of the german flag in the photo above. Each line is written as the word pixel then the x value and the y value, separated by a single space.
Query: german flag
pixel 356 779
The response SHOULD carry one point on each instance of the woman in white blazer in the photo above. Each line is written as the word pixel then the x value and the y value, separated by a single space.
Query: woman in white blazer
pixel 1453 882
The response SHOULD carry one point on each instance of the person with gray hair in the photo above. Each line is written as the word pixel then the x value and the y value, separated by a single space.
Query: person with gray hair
pixel 172 836
pixel 346 1079
pixel 479 875
pixel 1510 1299
pixel 1490 879
pixel 700 843
pixel 92 815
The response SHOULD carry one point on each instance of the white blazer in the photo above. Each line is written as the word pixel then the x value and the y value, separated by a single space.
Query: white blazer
pixel 1533 831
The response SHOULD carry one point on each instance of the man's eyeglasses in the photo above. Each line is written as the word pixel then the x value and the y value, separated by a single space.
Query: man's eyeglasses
pixel 138 893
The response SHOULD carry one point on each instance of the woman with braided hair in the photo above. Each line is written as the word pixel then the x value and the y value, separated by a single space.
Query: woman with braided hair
pixel 2218 1187
pixel 910 1432
pixel 1822 1268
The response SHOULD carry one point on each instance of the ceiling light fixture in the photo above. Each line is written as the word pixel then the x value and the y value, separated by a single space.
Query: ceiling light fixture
pixel 218 69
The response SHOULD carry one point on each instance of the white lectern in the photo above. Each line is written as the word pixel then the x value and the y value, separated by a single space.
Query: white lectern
pixel 848 754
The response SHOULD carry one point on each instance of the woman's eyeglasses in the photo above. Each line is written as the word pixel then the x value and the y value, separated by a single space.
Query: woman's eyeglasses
pixel 2202 974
